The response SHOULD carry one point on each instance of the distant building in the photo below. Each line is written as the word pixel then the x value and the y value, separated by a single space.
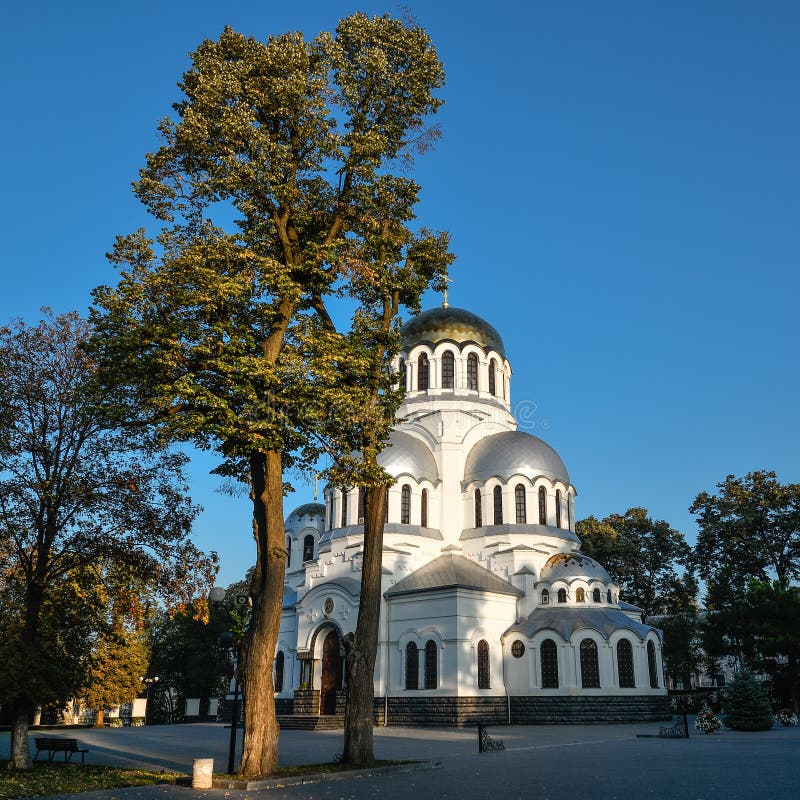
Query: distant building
pixel 489 610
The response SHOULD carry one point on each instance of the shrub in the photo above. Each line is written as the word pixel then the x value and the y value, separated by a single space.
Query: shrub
pixel 115 722
pixel 137 722
pixel 745 704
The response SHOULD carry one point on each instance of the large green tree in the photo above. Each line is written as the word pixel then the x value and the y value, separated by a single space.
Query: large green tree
pixel 81 502
pixel 265 182
pixel 749 530
pixel 649 559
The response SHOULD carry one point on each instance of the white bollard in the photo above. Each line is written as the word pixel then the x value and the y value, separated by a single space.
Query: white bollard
pixel 202 773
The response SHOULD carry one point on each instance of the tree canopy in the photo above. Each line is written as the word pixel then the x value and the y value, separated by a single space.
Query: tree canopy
pixel 278 186
pixel 87 510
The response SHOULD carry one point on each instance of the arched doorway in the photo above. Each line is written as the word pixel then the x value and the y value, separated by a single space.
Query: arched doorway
pixel 331 682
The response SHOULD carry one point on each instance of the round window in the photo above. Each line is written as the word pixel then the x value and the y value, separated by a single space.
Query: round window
pixel 327 606
pixel 517 649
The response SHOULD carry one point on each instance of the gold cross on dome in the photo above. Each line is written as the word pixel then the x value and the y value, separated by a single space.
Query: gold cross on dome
pixel 447 280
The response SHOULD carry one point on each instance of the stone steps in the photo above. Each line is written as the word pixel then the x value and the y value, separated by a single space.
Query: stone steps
pixel 309 722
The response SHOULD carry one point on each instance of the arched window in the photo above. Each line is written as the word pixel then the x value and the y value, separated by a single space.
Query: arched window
pixel 542 506
pixel 329 510
pixel 431 671
pixel 558 508
pixel 279 671
pixel 549 659
pixel 569 513
pixel 498 505
pixel 483 664
pixel 651 665
pixel 448 370
pixel 562 595
pixel 288 552
pixel 545 597
pixel 519 503
pixel 403 377
pixel 423 373
pixel 478 513
pixel 412 666
pixel 423 509
pixel 472 372
pixel 625 664
pixel 405 505
pixel 590 669
pixel 362 505
pixel 580 595
pixel 596 595
pixel 608 596
pixel 308 547
pixel 492 377
pixel 344 507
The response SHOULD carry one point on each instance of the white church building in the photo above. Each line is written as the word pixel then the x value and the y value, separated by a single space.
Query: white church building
pixel 489 610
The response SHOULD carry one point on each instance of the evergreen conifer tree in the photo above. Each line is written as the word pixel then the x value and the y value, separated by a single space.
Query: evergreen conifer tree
pixel 746 705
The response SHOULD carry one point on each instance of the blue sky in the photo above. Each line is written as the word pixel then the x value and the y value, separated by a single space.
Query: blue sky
pixel 620 180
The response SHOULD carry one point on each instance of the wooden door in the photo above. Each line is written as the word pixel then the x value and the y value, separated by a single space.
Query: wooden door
pixel 331 673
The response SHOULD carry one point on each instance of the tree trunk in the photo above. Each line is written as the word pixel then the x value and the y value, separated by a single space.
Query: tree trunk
pixel 20 752
pixel 358 743
pixel 260 751
pixel 99 718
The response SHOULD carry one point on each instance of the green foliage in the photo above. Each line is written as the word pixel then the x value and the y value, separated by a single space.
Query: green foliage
pixel 682 651
pixel 643 556
pixel 90 515
pixel 746 705
pixel 749 530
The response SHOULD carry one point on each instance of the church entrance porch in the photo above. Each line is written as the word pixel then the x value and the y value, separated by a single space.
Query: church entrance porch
pixel 331 681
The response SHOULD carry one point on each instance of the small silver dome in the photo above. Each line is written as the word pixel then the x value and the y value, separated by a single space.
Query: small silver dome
pixel 564 566
pixel 514 453
pixel 406 455
pixel 308 510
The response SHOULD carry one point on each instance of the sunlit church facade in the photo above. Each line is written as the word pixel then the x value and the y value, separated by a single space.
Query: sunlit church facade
pixel 489 610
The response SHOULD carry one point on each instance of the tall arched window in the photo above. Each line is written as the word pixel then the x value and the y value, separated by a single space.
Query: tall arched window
pixel 483 664
pixel 651 665
pixel 412 666
pixel 625 664
pixel 545 597
pixel 558 508
pixel 596 595
pixel 549 659
pixel 562 595
pixel 492 377
pixel 362 505
pixel 403 376
pixel 580 595
pixel 308 547
pixel 472 372
pixel 423 373
pixel 329 510
pixel 288 552
pixel 344 507
pixel 590 668
pixel 431 670
pixel 448 370
pixel 569 513
pixel 423 509
pixel 542 506
pixel 519 503
pixel 608 596
pixel 478 512
pixel 279 671
pixel 497 495
pixel 405 505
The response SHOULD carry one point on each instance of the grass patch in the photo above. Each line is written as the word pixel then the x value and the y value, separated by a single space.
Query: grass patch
pixel 49 779
pixel 297 770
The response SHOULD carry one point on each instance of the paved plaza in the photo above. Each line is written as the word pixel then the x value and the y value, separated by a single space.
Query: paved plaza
pixel 542 762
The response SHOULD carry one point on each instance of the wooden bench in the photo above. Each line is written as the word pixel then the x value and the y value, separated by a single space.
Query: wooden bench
pixel 56 744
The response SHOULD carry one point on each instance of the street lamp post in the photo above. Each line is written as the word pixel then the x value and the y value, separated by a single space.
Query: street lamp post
pixel 216 598
pixel 148 682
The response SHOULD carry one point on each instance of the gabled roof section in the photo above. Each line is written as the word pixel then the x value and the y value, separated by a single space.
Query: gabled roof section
pixel 450 571
pixel 565 621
